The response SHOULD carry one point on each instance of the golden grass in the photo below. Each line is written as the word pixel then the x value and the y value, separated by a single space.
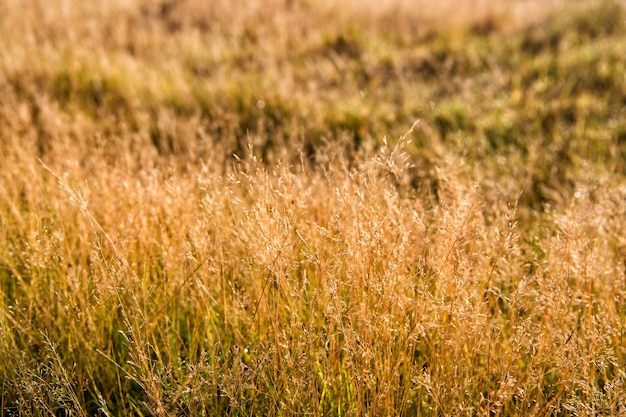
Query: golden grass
pixel 199 214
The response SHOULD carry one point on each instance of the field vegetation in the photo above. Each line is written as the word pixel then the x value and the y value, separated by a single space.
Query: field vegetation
pixel 293 207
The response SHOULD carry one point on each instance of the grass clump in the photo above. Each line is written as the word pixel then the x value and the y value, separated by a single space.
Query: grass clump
pixel 201 213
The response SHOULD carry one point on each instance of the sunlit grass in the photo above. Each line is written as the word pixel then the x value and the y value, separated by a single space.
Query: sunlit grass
pixel 212 209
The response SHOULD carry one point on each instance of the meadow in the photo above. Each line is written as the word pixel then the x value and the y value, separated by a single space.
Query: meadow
pixel 295 207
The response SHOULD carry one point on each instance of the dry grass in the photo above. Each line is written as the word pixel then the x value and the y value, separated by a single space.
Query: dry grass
pixel 199 214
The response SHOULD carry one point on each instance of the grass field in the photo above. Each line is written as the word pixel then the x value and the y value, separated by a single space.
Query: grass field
pixel 290 207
